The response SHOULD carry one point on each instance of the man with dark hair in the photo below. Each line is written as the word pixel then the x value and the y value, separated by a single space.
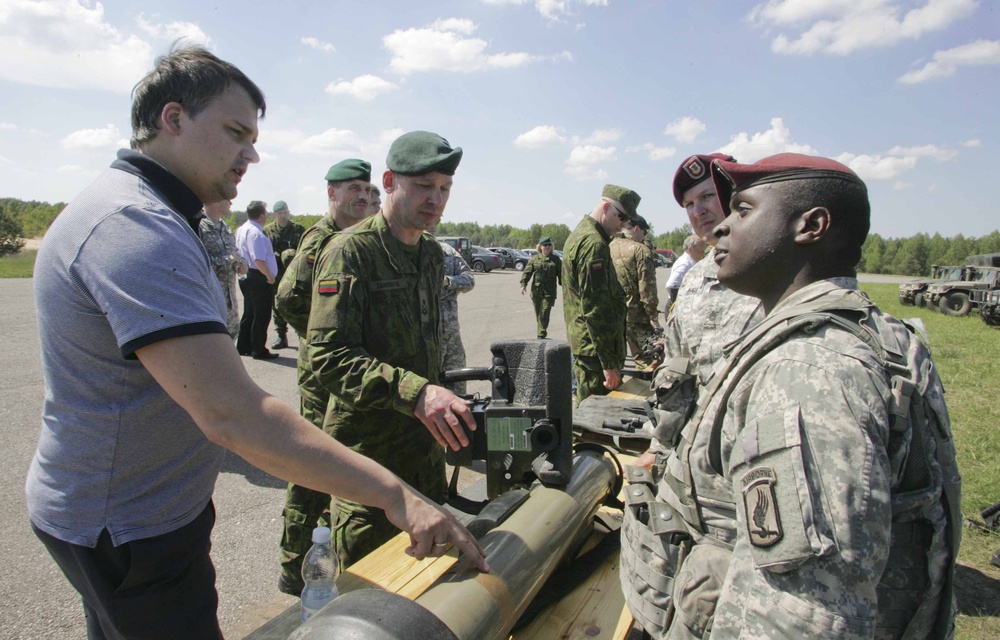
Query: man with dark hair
pixel 593 301
pixel 824 496
pixel 143 387
pixel 284 235
pixel 374 337
pixel 258 285
pixel 347 190
pixel 636 271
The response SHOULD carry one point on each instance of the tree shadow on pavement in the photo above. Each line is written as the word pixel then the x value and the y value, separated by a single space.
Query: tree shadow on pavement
pixel 235 464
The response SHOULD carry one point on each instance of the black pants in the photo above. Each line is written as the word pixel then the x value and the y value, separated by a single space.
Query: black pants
pixel 155 588
pixel 258 298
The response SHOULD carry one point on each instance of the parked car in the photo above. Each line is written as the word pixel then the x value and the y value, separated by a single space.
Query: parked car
pixel 484 260
pixel 529 252
pixel 669 257
pixel 512 258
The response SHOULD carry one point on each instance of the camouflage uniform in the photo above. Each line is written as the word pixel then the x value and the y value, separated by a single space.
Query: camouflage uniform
pixel 304 509
pixel 706 317
pixel 636 273
pixel 221 246
pixel 458 279
pixel 593 306
pixel 282 239
pixel 544 272
pixel 374 343
pixel 801 523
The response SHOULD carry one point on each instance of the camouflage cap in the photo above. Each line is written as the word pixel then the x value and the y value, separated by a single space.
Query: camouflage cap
pixel 640 222
pixel 280 205
pixel 419 152
pixel 628 199
pixel 695 170
pixel 732 177
pixel 350 169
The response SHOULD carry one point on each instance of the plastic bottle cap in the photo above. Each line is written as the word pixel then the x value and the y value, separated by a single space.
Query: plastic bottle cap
pixel 321 535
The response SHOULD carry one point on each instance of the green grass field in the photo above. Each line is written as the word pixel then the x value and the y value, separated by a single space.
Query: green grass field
pixel 19 265
pixel 967 354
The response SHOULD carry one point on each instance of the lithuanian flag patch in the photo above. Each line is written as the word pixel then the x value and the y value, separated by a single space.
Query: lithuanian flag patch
pixel 329 287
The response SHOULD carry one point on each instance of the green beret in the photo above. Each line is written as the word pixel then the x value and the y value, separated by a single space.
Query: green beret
pixel 350 169
pixel 419 152
pixel 280 206
pixel 627 198
pixel 545 240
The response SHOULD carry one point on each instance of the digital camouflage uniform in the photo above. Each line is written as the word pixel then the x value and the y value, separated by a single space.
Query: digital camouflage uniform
pixel 304 509
pixel 544 272
pixel 374 343
pixel 816 511
pixel 458 279
pixel 282 240
pixel 593 306
pixel 221 246
pixel 636 273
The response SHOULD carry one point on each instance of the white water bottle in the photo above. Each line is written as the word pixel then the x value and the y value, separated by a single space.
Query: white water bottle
pixel 319 573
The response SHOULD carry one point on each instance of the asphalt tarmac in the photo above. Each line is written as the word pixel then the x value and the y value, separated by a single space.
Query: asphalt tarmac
pixel 35 599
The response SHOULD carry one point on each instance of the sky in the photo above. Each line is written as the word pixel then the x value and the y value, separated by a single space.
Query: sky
pixel 550 99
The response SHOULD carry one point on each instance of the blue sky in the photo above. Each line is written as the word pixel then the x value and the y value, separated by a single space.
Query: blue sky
pixel 550 99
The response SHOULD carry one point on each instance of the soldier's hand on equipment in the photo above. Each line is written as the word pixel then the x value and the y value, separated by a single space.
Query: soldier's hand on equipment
pixel 645 460
pixel 433 530
pixel 612 379
pixel 441 410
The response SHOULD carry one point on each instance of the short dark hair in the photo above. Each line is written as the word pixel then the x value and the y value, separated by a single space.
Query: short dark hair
pixel 847 201
pixel 256 209
pixel 190 75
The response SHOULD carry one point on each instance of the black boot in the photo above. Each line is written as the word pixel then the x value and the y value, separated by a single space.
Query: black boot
pixel 281 342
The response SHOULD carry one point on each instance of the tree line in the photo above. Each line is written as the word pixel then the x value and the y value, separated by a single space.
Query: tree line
pixel 901 256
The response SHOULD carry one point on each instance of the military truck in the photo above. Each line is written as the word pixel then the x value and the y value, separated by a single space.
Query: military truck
pixel 956 298
pixel 912 292
pixel 989 306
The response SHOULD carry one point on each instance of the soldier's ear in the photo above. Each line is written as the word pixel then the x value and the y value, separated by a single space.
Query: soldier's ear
pixel 388 182
pixel 811 226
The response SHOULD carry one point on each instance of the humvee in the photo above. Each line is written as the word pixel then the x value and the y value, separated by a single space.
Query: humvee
pixel 956 298
pixel 912 292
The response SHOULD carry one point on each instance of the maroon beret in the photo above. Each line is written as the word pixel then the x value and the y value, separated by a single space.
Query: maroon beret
pixel 694 170
pixel 732 177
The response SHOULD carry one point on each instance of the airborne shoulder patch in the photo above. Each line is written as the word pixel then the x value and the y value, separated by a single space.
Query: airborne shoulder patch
pixel 328 287
pixel 763 520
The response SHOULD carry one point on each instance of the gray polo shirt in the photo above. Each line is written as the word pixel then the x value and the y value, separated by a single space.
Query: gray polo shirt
pixel 121 268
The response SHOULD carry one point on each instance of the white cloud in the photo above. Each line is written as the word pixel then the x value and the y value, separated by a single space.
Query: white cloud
pixel 925 151
pixel 685 129
pixel 655 152
pixel 894 162
pixel 105 137
pixel 899 185
pixel 77 170
pixel 441 47
pixel 946 63
pixel 844 26
pixel 877 167
pixel 598 137
pixel 747 147
pixel 332 142
pixel 583 158
pixel 68 44
pixel 266 156
pixel 364 88
pixel 552 9
pixel 7 126
pixel 540 136
pixel 187 31
pixel 317 44
pixel 974 142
